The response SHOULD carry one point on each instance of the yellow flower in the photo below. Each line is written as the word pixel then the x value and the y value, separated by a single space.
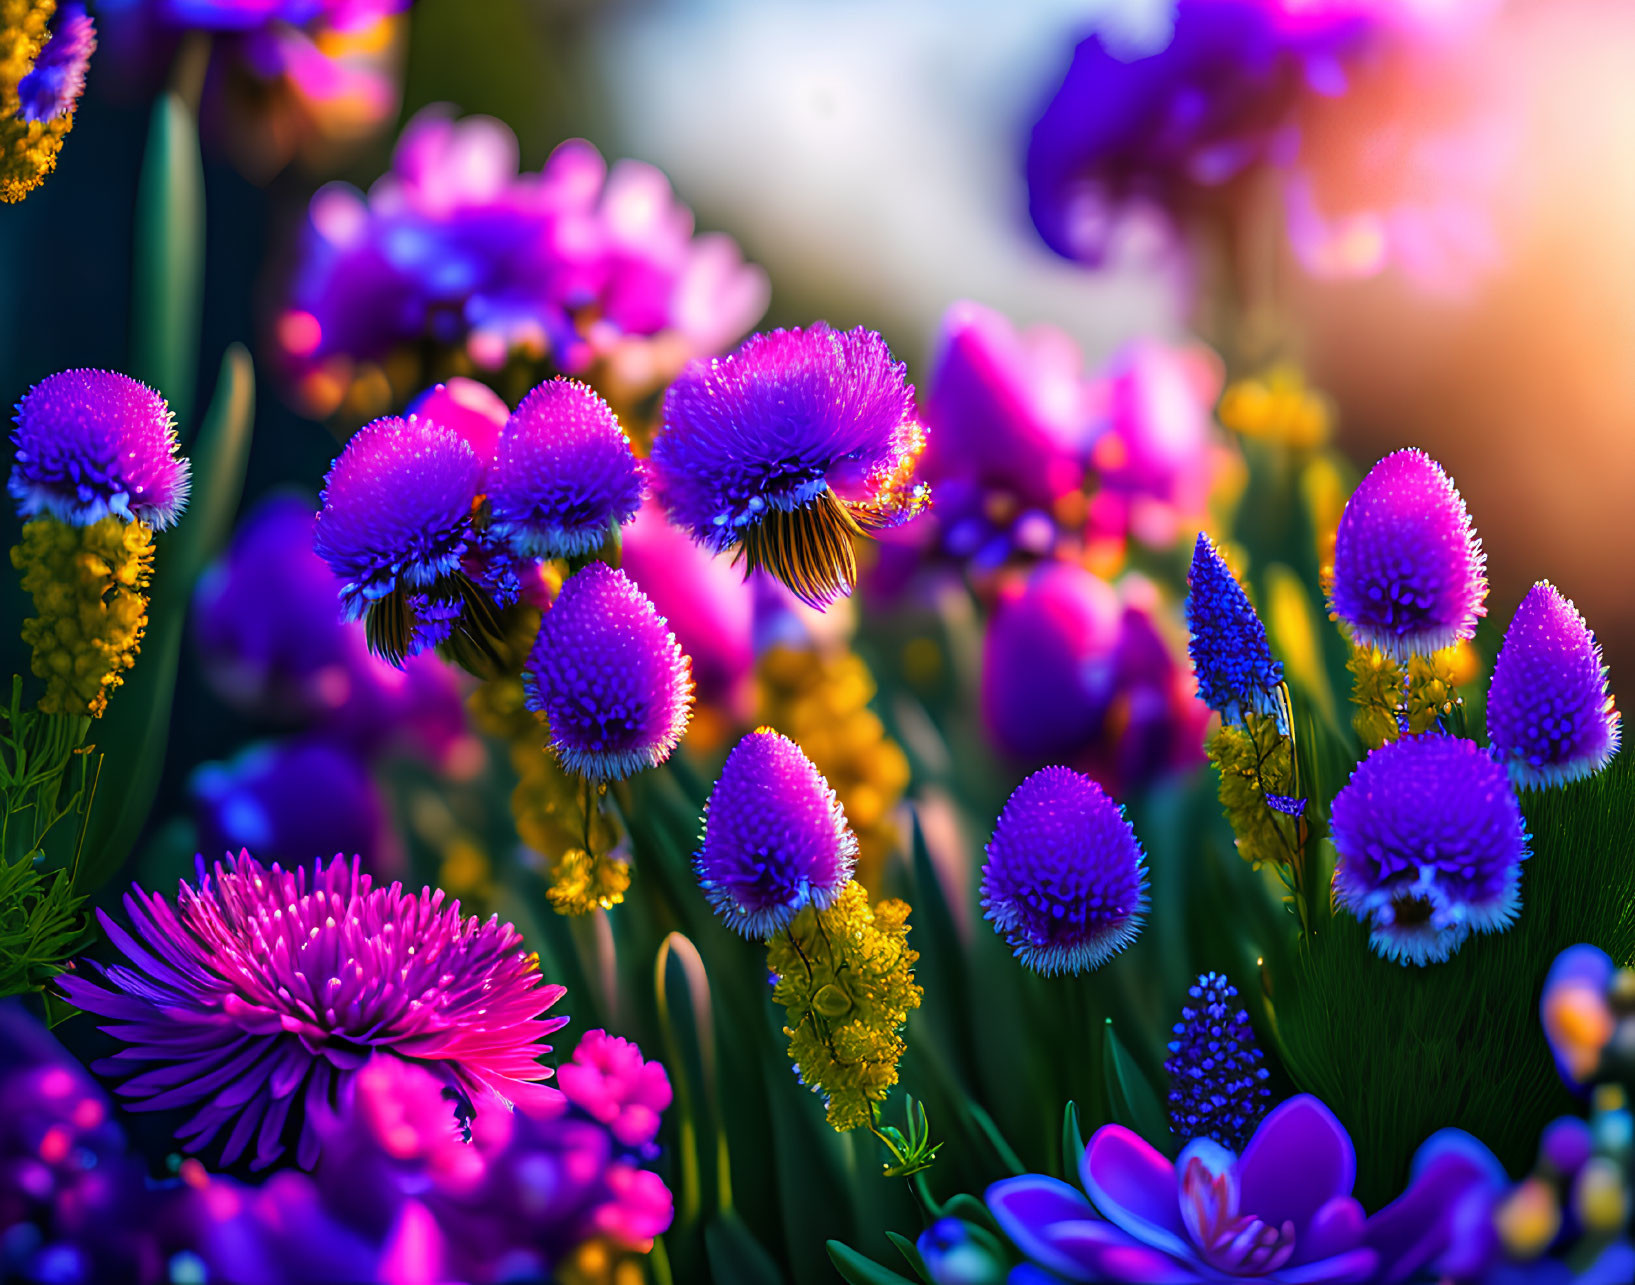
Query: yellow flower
pixel 581 882
pixel 1277 407
pixel 1378 691
pixel 89 586
pixel 1254 760
pixel 846 979
pixel 821 702
pixel 28 149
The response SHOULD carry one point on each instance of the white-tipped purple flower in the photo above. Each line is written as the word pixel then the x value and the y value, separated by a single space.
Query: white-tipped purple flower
pixel 1550 717
pixel 775 837
pixel 1409 573
pixel 1430 841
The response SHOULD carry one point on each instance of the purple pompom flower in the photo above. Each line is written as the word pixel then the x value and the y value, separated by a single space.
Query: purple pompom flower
pixel 1281 1211
pixel 1430 841
pixel 1230 654
pixel 1409 572
pixel 1065 884
pixel 95 443
pixel 1217 1071
pixel 564 473
pixel 790 448
pixel 1550 717
pixel 609 677
pixel 53 85
pixel 260 994
pixel 775 837
pixel 397 526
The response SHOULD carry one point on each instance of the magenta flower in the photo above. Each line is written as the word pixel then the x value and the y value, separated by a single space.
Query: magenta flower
pixel 1281 1211
pixel 471 409
pixel 262 992
pixel 1409 572
pixel 610 1081
pixel 1550 717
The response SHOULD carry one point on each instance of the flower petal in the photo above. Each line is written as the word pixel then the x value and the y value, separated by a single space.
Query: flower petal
pixel 1134 1186
pixel 1030 1208
pixel 1299 1159
pixel 1447 1208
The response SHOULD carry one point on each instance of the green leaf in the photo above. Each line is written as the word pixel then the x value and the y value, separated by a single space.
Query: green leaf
pixel 1134 1102
pixel 911 1255
pixel 1072 1142
pixel 136 728
pixel 168 272
pixel 857 1270
pixel 1003 1149
pixel 735 1255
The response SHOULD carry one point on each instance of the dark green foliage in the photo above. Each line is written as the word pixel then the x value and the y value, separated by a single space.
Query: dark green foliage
pixel 42 923
pixel 1399 1052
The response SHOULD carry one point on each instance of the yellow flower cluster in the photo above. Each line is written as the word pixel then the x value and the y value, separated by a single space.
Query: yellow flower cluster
pixel 89 586
pixel 1255 760
pixel 821 702
pixel 548 805
pixel 28 149
pixel 1277 407
pixel 1380 694
pixel 846 978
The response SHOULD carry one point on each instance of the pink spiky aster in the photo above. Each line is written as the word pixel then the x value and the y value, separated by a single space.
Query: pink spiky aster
pixel 1550 717
pixel 259 996
pixel 1409 572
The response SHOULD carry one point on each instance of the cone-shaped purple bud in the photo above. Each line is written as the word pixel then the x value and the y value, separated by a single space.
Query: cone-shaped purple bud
pixel 1065 884
pixel 563 473
pixel 609 677
pixel 1409 572
pixel 92 444
pixel 775 837
pixel 1230 654
pixel 1430 841
pixel 1550 717
pixel 1216 1070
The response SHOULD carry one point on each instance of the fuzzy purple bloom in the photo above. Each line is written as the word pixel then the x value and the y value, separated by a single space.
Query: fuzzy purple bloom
pixel 1065 884
pixel 564 473
pixel 609 677
pixel 260 994
pixel 1409 572
pixel 1230 654
pixel 775 837
pixel 1550 717
pixel 1430 841
pixel 816 423
pixel 1281 1211
pixel 53 85
pixel 95 443
pixel 1217 1071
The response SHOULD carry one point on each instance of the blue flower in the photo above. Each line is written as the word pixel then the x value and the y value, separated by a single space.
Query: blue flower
pixel 1230 654
pixel 1217 1071
pixel 1550 718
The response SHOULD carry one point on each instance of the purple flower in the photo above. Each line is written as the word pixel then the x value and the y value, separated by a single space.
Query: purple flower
pixel 609 677
pixel 1430 841
pixel 1576 1012
pixel 471 409
pixel 1409 572
pixel 53 85
pixel 397 528
pixel 564 473
pixel 596 272
pixel 1550 717
pixel 775 837
pixel 94 443
pixel 1280 1211
pixel 262 992
pixel 1065 882
pixel 289 799
pixel 792 447
pixel 1230 654
pixel 1217 1071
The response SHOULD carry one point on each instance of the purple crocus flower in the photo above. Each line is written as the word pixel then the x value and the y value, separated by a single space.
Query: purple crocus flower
pixel 260 994
pixel 1065 883
pixel 1230 654
pixel 564 473
pixel 775 837
pixel 1430 841
pixel 790 448
pixel 609 677
pixel 95 443
pixel 53 85
pixel 1409 572
pixel 1281 1211
pixel 1550 717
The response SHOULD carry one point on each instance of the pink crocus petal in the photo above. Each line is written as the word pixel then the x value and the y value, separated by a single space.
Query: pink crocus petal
pixel 1134 1186
pixel 1299 1159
